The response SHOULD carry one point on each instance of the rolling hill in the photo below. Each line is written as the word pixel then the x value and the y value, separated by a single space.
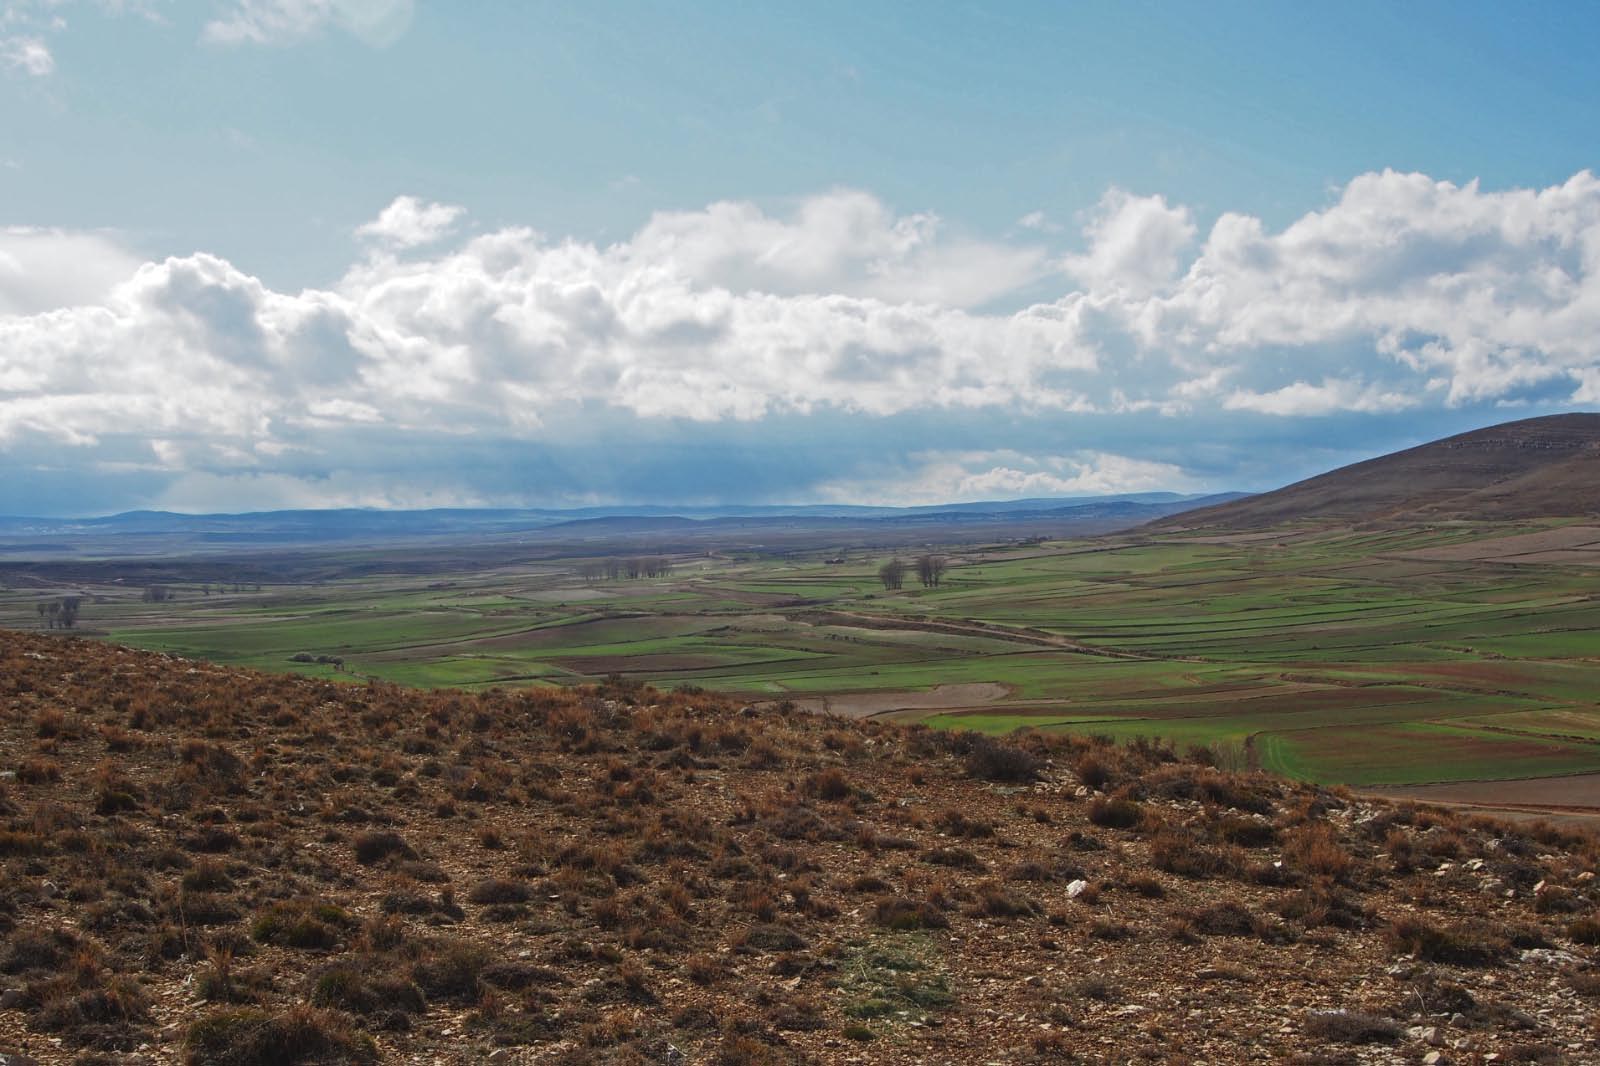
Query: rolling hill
pixel 1533 468
pixel 216 867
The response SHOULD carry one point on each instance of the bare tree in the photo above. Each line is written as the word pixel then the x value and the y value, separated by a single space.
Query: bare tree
pixel 930 570
pixel 592 572
pixel 893 574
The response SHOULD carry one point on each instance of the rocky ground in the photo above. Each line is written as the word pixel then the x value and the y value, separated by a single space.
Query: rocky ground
pixel 216 866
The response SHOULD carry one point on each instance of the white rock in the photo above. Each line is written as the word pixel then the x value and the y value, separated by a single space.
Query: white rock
pixel 1550 957
pixel 1075 889
pixel 1427 1034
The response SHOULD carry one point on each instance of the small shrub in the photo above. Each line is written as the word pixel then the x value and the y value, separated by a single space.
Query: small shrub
pixel 17 842
pixel 207 876
pixel 955 858
pixel 1468 945
pixel 1115 813
pixel 1351 1027
pixel 99 1014
pixel 38 950
pixel 452 970
pixel 1147 886
pixel 372 848
pixel 1245 832
pixel 996 901
pixel 349 988
pixel 500 890
pixel 1316 850
pixel 992 760
pixel 953 822
pixel 210 759
pixel 903 915
pixel 1321 905
pixel 212 839
pixel 1093 772
pixel 830 784
pixel 302 924
pixel 1228 918
pixel 1585 931
pixel 37 770
pixel 1179 853
pixel 254 1038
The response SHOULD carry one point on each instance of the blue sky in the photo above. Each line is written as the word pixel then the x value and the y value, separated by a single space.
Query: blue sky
pixel 260 253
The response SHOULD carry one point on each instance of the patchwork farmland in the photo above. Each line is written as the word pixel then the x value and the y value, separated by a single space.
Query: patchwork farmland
pixel 1378 658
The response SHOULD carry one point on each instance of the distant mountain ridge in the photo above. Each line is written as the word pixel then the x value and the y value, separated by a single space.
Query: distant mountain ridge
pixel 335 522
pixel 657 529
pixel 1545 467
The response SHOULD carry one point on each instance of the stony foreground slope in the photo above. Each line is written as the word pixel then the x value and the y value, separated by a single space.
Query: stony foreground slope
pixel 216 866
pixel 1545 467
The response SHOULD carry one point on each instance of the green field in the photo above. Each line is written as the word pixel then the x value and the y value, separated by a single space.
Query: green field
pixel 1336 657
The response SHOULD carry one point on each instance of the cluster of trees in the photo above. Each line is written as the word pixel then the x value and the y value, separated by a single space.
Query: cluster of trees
pixel 616 569
pixel 60 613
pixel 929 568
pixel 335 661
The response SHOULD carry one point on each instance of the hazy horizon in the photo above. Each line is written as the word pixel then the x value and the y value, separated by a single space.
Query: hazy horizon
pixel 623 507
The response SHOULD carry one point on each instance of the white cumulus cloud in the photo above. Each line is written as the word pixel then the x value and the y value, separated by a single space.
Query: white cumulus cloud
pixel 1135 244
pixel 42 269
pixel 408 222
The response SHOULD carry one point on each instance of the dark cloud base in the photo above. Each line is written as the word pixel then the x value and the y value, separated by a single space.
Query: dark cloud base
pixel 606 457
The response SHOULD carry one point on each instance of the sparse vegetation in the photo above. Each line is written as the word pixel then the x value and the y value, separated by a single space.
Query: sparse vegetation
pixel 326 873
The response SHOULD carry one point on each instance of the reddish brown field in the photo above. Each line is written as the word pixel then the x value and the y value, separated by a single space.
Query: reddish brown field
pixel 938 698
pixel 1575 797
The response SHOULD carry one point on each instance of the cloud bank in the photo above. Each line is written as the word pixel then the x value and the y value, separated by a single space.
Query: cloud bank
pixel 1403 295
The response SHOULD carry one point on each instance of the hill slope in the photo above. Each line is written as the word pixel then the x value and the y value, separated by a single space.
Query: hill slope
pixel 1533 468
pixel 216 866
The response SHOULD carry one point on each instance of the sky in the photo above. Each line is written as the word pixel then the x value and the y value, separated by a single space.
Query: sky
pixel 258 254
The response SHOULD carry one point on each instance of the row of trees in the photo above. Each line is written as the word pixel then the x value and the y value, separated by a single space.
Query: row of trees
pixel 616 569
pixel 167 594
pixel 929 570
